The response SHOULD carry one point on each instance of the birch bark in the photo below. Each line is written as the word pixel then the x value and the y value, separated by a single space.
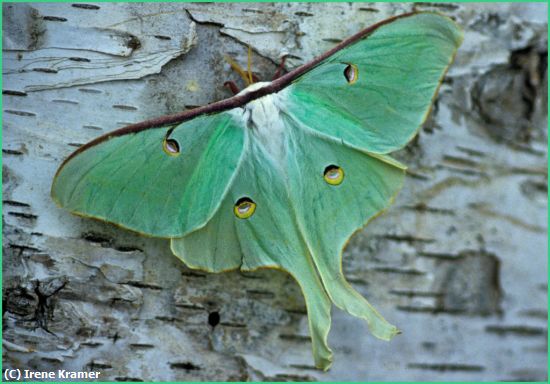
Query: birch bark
pixel 459 263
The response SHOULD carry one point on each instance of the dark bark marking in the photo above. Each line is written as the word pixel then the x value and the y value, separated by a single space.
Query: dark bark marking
pixel 443 367
pixel 54 18
pixel 187 366
pixel 85 6
pixel 515 330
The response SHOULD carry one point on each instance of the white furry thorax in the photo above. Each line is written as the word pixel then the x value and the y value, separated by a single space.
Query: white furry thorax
pixel 263 121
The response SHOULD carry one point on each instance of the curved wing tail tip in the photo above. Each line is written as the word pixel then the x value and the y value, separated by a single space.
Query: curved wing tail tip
pixel 387 333
pixel 324 363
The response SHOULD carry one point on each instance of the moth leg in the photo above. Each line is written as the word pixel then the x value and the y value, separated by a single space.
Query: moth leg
pixel 232 86
pixel 280 69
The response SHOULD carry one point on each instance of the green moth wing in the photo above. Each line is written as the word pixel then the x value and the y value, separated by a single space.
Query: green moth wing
pixel 300 223
pixel 391 77
pixel 282 174
pixel 330 124
pixel 134 180
pixel 270 238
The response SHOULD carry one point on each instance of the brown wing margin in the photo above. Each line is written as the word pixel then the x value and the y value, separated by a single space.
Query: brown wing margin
pixel 235 101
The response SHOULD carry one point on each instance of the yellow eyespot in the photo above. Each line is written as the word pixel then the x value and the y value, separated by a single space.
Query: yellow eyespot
pixel 244 208
pixel 351 73
pixel 171 147
pixel 334 175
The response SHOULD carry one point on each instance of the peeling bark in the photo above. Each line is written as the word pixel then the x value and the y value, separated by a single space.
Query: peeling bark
pixel 458 263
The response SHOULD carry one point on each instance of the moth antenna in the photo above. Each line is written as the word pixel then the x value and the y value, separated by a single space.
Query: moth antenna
pixel 249 65
pixel 238 69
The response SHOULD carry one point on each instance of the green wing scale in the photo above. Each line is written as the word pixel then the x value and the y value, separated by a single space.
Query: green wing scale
pixel 132 181
pixel 281 175
pixel 300 224
pixel 396 72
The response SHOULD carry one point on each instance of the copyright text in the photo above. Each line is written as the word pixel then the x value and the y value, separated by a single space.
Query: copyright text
pixel 27 374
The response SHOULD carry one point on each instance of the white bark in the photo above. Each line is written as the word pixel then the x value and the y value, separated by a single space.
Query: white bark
pixel 458 263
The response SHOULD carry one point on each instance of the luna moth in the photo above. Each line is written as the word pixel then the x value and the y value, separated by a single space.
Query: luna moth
pixel 281 174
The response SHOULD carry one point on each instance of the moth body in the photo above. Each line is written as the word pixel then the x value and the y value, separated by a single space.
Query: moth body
pixel 264 124
pixel 280 178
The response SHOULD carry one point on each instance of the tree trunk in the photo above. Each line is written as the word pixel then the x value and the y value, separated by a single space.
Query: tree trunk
pixel 458 263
